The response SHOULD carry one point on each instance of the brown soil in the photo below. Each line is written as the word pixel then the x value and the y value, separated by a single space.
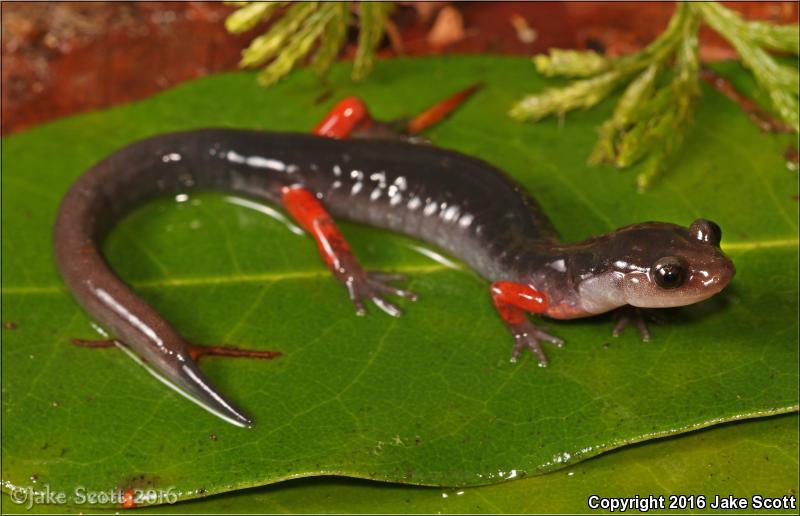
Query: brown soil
pixel 69 57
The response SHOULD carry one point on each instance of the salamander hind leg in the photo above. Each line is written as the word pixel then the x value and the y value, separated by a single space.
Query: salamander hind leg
pixel 361 285
pixel 373 286
pixel 195 351
pixel 350 118
pixel 512 301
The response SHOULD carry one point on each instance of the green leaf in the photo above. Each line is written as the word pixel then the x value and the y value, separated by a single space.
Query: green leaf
pixel 743 459
pixel 430 398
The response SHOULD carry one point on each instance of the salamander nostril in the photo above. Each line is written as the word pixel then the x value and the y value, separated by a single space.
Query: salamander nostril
pixel 730 270
pixel 725 272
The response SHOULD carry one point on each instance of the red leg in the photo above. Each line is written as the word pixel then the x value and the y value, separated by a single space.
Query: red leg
pixel 512 301
pixel 348 115
pixel 195 351
pixel 351 118
pixel 103 343
pixel 435 114
pixel 306 209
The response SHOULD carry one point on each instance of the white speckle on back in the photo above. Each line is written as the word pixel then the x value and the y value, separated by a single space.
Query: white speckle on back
pixel 261 162
pixel 430 208
pixel 380 177
pixel 466 220
pixel 234 157
pixel 451 213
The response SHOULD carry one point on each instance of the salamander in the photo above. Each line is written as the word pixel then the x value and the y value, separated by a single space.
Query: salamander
pixel 458 203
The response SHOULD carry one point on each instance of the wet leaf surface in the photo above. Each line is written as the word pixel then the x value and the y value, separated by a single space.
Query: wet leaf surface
pixel 744 459
pixel 430 398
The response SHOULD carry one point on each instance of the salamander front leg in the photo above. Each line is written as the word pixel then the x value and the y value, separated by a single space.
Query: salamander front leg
pixel 360 284
pixel 626 315
pixel 512 301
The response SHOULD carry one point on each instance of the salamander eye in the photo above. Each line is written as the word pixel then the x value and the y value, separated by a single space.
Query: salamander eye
pixel 706 231
pixel 670 272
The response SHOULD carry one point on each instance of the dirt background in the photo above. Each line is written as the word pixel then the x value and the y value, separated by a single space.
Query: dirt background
pixel 61 58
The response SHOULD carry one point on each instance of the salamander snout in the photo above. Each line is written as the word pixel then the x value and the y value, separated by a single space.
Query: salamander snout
pixel 670 265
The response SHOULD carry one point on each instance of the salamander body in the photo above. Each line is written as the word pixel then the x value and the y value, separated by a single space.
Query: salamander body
pixel 458 203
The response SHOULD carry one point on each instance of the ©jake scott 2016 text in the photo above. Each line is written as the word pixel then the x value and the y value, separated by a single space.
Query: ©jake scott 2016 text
pixel 44 495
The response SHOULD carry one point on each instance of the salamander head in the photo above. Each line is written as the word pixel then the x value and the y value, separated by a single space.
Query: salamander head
pixel 656 265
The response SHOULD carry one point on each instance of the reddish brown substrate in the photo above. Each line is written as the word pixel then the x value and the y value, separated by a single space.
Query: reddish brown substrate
pixel 71 57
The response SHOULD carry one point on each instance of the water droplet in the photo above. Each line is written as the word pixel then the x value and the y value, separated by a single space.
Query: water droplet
pixel 96 327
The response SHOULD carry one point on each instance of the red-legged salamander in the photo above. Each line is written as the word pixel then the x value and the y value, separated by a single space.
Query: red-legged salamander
pixel 458 203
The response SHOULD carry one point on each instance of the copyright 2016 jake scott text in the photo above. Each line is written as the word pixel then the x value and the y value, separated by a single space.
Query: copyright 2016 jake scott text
pixel 691 502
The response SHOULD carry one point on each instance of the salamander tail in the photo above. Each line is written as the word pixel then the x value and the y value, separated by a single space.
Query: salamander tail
pixel 189 381
pixel 197 388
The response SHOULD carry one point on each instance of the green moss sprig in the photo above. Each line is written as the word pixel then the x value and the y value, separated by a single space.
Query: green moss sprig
pixel 750 39
pixel 657 105
pixel 302 25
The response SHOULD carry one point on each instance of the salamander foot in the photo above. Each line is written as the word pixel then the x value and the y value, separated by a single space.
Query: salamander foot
pixel 361 285
pixel 528 335
pixel 630 314
pixel 373 286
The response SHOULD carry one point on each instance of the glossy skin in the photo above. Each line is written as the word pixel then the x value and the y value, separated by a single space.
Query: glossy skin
pixel 458 203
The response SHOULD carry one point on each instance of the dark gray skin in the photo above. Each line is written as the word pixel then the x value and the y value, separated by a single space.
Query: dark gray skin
pixel 458 203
